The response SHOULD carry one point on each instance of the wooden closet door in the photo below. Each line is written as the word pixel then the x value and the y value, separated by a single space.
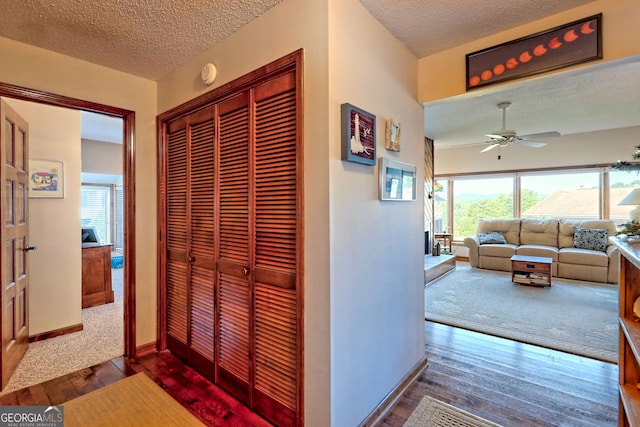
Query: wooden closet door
pixel 190 262
pixel 234 291
pixel 232 198
pixel 276 330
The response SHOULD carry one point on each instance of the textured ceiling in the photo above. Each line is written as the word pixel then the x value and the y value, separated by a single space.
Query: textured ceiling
pixel 150 38
pixel 430 26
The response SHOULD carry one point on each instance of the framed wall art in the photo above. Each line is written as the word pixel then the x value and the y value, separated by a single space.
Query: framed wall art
pixel 397 180
pixel 46 179
pixel 358 135
pixel 563 46
pixel 392 139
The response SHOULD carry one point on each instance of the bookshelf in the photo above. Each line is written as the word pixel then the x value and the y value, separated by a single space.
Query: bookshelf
pixel 629 358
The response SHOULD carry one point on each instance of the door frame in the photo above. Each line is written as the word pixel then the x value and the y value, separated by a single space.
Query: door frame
pixel 128 144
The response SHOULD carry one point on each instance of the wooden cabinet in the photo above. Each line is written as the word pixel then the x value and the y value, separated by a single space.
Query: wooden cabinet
pixel 531 270
pixel 629 358
pixel 96 275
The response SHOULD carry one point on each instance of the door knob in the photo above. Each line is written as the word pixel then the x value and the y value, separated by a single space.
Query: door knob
pixel 244 271
pixel 29 248
pixel 191 259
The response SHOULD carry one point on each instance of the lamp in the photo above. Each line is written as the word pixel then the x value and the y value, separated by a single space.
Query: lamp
pixel 633 198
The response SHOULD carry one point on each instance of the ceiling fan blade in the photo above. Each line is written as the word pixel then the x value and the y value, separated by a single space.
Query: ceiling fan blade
pixel 495 136
pixel 491 147
pixel 532 144
pixel 541 135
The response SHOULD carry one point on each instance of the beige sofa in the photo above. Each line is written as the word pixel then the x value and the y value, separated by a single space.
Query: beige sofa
pixel 552 238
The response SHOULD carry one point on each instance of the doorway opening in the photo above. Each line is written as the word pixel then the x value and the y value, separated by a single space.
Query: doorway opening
pixel 127 190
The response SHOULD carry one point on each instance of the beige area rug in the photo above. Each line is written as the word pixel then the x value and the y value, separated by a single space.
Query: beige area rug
pixel 434 413
pixel 101 339
pixel 571 316
pixel 133 401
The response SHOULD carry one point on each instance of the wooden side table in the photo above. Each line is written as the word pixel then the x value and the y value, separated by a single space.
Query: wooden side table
pixel 446 238
pixel 531 270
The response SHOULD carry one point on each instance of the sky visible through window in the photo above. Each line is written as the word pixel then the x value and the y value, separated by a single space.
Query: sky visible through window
pixel 540 184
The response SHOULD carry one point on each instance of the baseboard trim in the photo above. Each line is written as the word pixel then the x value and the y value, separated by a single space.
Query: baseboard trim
pixel 145 349
pixel 383 407
pixel 56 333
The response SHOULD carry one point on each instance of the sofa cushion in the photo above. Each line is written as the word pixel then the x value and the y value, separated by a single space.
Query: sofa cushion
pixel 583 257
pixel 590 273
pixel 567 228
pixel 510 228
pixel 538 250
pixel 494 237
pixel 539 232
pixel 502 250
pixel 590 238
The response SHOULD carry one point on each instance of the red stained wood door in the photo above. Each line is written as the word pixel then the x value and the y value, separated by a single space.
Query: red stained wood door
pixel 190 240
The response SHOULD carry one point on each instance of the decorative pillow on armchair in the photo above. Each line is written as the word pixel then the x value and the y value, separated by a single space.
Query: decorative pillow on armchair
pixel 590 238
pixel 495 237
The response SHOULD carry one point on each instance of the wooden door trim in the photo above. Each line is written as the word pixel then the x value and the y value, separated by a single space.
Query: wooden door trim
pixel 128 144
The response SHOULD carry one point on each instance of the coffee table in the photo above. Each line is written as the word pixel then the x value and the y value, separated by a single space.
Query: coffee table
pixel 531 270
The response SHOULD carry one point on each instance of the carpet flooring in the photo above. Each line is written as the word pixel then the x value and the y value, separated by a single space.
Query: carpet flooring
pixel 133 401
pixel 571 316
pixel 434 413
pixel 101 339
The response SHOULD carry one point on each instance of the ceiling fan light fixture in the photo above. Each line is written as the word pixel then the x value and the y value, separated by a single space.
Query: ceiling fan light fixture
pixel 504 136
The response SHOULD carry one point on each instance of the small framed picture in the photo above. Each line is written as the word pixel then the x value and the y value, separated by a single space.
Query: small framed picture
pixel 46 179
pixel 358 135
pixel 392 140
pixel 397 180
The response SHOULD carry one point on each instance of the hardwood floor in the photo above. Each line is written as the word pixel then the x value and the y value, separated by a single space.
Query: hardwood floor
pixel 212 405
pixel 507 382
pixel 511 383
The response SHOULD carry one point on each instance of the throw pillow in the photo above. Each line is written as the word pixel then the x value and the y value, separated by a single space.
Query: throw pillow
pixel 494 237
pixel 590 238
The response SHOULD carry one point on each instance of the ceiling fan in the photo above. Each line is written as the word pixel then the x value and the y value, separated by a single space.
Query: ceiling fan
pixel 504 136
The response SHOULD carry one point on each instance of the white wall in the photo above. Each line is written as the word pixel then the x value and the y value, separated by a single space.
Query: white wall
pixel 377 261
pixel 363 272
pixel 55 267
pixel 101 157
pixel 22 65
pixel 287 27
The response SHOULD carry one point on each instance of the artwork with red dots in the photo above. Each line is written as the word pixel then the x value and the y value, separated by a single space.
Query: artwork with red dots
pixel 563 46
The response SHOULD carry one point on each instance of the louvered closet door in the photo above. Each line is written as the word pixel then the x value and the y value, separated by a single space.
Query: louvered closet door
pixel 276 365
pixel 190 261
pixel 234 292
pixel 234 238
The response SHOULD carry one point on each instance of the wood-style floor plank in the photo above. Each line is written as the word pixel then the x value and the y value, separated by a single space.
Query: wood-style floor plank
pixel 510 383
pixel 504 381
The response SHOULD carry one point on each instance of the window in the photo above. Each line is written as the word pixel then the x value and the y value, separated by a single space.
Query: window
pixel 440 206
pixel 621 184
pixel 589 193
pixel 96 210
pixel 574 195
pixel 119 239
pixel 480 198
